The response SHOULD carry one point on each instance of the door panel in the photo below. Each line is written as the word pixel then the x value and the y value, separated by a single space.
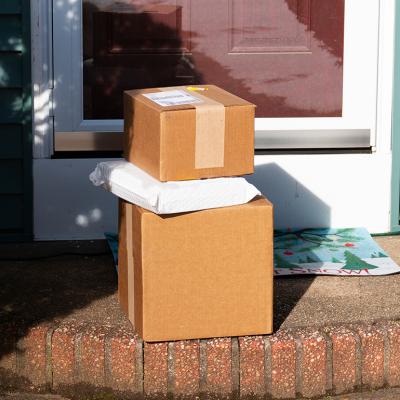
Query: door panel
pixel 284 55
pixel 278 56
pixel 269 26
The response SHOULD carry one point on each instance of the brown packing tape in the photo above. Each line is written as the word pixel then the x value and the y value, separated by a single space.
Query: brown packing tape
pixel 130 260
pixel 210 131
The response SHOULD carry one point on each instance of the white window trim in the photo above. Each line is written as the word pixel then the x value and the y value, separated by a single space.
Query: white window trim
pixel 386 55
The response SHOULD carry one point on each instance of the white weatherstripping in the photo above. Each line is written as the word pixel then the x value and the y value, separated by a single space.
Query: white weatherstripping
pixel 339 190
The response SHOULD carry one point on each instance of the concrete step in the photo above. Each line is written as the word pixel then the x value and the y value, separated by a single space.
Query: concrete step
pixel 61 330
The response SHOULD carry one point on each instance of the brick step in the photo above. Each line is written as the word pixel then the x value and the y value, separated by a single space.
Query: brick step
pixel 286 365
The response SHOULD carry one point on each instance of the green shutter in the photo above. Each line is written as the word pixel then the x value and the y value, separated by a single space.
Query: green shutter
pixel 15 121
pixel 10 7
pixel 10 70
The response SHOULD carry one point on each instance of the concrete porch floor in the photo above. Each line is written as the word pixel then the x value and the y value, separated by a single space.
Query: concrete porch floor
pixel 62 329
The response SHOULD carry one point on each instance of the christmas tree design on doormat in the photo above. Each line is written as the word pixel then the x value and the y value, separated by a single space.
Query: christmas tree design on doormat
pixel 330 251
pixel 356 263
pixel 282 263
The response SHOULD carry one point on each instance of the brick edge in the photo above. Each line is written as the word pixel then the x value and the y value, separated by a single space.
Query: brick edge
pixel 289 364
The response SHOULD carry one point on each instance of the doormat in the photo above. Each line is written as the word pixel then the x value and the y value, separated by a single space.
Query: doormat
pixel 343 252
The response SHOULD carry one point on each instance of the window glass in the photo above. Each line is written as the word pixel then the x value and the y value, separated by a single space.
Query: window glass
pixel 286 56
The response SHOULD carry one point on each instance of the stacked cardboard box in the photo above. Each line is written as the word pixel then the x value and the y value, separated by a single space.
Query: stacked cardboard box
pixel 201 274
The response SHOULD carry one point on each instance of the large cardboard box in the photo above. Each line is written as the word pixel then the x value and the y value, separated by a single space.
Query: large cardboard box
pixel 184 132
pixel 197 275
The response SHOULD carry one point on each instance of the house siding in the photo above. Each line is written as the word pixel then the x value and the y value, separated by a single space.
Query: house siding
pixel 395 207
pixel 15 121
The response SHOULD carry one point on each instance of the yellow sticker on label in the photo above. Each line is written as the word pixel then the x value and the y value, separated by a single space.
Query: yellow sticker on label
pixel 196 89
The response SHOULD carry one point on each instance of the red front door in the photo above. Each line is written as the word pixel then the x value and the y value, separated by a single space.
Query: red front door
pixel 286 56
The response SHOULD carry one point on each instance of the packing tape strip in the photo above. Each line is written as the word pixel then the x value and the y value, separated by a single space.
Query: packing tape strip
pixel 210 131
pixel 130 260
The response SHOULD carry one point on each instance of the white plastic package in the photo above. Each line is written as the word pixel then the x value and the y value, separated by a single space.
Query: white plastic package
pixel 132 184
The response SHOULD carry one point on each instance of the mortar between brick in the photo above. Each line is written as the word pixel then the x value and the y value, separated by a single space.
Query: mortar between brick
pixel 359 363
pixel 140 366
pixel 329 362
pixel 268 366
pixel 386 356
pixel 108 375
pixel 203 367
pixel 49 362
pixel 298 368
pixel 235 368
pixel 171 370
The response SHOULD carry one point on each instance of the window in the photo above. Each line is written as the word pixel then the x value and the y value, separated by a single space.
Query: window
pixel 313 85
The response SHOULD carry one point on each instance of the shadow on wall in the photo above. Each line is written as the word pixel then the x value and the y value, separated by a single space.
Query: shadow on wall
pixel 295 206
pixel 74 208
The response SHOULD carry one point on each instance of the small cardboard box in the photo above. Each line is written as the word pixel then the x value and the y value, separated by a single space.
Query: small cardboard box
pixel 181 133
pixel 197 275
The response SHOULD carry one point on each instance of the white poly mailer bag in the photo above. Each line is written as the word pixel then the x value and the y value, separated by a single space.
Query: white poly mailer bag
pixel 132 184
